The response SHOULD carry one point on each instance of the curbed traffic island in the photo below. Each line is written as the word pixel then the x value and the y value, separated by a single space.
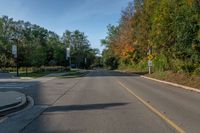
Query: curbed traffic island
pixel 11 101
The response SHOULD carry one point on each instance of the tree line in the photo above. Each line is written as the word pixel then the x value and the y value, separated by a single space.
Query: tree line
pixel 37 46
pixel 171 28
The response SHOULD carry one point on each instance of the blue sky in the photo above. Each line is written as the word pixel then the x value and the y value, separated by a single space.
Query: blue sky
pixel 89 16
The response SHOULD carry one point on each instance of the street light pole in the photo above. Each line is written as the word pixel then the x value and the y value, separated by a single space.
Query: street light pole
pixel 70 62
pixel 68 53
pixel 68 57
pixel 17 67
pixel 14 52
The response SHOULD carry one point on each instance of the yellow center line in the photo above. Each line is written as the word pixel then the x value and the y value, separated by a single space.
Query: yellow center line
pixel 165 118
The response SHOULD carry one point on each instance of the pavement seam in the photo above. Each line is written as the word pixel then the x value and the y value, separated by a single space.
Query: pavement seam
pixel 153 109
pixel 65 93
pixel 69 89
pixel 20 130
pixel 47 107
pixel 51 104
pixel 174 84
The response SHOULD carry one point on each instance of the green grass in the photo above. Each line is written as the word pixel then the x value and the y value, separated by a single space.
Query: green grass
pixel 34 74
pixel 179 78
pixel 73 74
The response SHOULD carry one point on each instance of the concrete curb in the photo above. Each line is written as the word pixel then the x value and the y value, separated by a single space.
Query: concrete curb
pixel 29 105
pixel 81 75
pixel 13 106
pixel 84 73
pixel 174 84
pixel 55 74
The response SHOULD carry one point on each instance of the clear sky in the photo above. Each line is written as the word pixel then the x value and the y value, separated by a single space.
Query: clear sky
pixel 89 16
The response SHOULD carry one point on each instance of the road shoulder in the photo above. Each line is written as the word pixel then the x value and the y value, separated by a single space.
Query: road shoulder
pixel 174 84
pixel 163 81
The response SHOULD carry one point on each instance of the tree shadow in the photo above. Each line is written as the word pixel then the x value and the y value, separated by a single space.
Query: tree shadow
pixel 111 73
pixel 67 108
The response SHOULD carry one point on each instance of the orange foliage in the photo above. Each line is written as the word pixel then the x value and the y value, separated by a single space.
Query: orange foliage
pixel 190 2
pixel 124 51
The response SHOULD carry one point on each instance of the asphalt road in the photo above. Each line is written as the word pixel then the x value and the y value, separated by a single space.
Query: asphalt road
pixel 113 102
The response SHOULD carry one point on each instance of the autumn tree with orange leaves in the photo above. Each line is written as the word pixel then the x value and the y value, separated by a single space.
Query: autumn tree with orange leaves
pixel 170 27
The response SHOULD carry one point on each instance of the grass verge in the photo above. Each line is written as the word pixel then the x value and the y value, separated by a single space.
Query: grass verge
pixel 74 74
pixel 179 78
pixel 37 74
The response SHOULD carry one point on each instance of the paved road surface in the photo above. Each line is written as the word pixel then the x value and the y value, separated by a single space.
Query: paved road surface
pixel 112 102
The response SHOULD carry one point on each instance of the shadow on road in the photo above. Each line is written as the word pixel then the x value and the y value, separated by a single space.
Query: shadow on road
pixel 84 107
pixel 110 73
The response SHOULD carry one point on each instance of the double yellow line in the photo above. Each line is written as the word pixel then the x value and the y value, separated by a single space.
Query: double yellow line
pixel 154 110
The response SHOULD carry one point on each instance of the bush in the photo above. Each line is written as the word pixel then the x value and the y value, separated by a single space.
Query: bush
pixel 141 66
pixel 160 63
pixel 197 71
pixel 183 66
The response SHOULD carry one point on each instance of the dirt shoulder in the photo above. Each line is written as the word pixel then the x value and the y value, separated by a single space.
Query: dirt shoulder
pixel 179 78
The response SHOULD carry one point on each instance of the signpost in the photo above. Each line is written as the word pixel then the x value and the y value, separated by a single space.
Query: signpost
pixel 85 63
pixel 67 53
pixel 150 58
pixel 14 52
pixel 150 64
pixel 68 57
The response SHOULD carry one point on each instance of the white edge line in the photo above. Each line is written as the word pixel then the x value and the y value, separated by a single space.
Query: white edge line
pixel 174 84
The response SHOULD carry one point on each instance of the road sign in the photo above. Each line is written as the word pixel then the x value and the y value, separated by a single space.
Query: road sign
pixel 14 51
pixel 150 57
pixel 150 63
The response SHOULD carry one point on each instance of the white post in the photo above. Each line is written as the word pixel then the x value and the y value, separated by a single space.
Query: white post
pixel 150 65
pixel 149 70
